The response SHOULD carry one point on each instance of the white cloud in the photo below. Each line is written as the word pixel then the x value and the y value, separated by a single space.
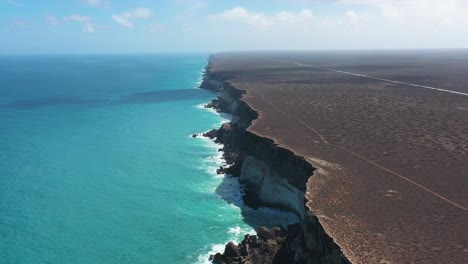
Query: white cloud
pixel 87 22
pixel 411 20
pixel 240 14
pixel 126 19
pixel 351 16
pixel 363 24
pixel 351 19
pixel 14 2
pixel 98 3
pixel 94 2
pixel 420 11
pixel 189 7
pixel 262 20
pixel 122 21
pixel 53 21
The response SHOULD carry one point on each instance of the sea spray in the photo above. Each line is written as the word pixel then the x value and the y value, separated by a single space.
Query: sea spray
pixel 232 193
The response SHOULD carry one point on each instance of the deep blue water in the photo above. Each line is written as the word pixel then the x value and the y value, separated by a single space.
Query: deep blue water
pixel 97 164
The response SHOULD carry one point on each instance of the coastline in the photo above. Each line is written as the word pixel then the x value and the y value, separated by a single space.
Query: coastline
pixel 231 190
pixel 257 160
pixel 212 164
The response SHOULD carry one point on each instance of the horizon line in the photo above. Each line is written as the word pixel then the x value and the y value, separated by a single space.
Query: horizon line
pixel 230 51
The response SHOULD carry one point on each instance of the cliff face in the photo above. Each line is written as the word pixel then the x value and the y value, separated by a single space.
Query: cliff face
pixel 273 176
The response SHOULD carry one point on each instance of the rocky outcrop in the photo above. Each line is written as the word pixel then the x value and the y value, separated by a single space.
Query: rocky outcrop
pixel 260 248
pixel 273 176
pixel 299 243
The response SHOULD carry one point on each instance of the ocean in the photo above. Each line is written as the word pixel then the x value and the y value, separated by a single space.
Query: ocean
pixel 97 162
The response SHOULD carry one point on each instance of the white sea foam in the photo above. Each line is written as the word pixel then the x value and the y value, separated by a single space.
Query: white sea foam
pixel 230 190
pixel 212 163
pixel 200 78
pixel 215 248
pixel 238 231
pixel 226 117
pixel 235 233
pixel 209 109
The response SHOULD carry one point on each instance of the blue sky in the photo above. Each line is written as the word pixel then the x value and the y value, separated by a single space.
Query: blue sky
pixel 113 26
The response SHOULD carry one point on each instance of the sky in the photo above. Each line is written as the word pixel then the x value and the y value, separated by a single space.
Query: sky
pixel 144 26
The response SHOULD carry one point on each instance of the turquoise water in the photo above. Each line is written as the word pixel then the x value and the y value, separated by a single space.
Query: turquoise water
pixel 97 164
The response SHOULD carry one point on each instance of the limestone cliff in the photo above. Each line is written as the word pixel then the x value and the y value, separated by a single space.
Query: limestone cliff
pixel 273 176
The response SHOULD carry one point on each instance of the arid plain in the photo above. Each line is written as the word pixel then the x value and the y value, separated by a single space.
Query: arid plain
pixel 388 134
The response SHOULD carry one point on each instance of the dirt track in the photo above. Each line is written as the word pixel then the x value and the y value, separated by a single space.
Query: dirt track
pixel 392 158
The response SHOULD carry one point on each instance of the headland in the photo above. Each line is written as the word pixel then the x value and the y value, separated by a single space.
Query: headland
pixel 370 149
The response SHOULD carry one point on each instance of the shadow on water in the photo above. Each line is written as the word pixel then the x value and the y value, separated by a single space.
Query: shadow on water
pixel 161 96
pixel 52 101
pixel 152 97
pixel 231 191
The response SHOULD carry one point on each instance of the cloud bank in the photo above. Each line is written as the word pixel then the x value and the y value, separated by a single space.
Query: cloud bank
pixel 263 20
pixel 211 25
pixel 351 24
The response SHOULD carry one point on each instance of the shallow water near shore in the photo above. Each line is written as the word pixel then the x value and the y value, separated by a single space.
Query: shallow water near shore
pixel 98 165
